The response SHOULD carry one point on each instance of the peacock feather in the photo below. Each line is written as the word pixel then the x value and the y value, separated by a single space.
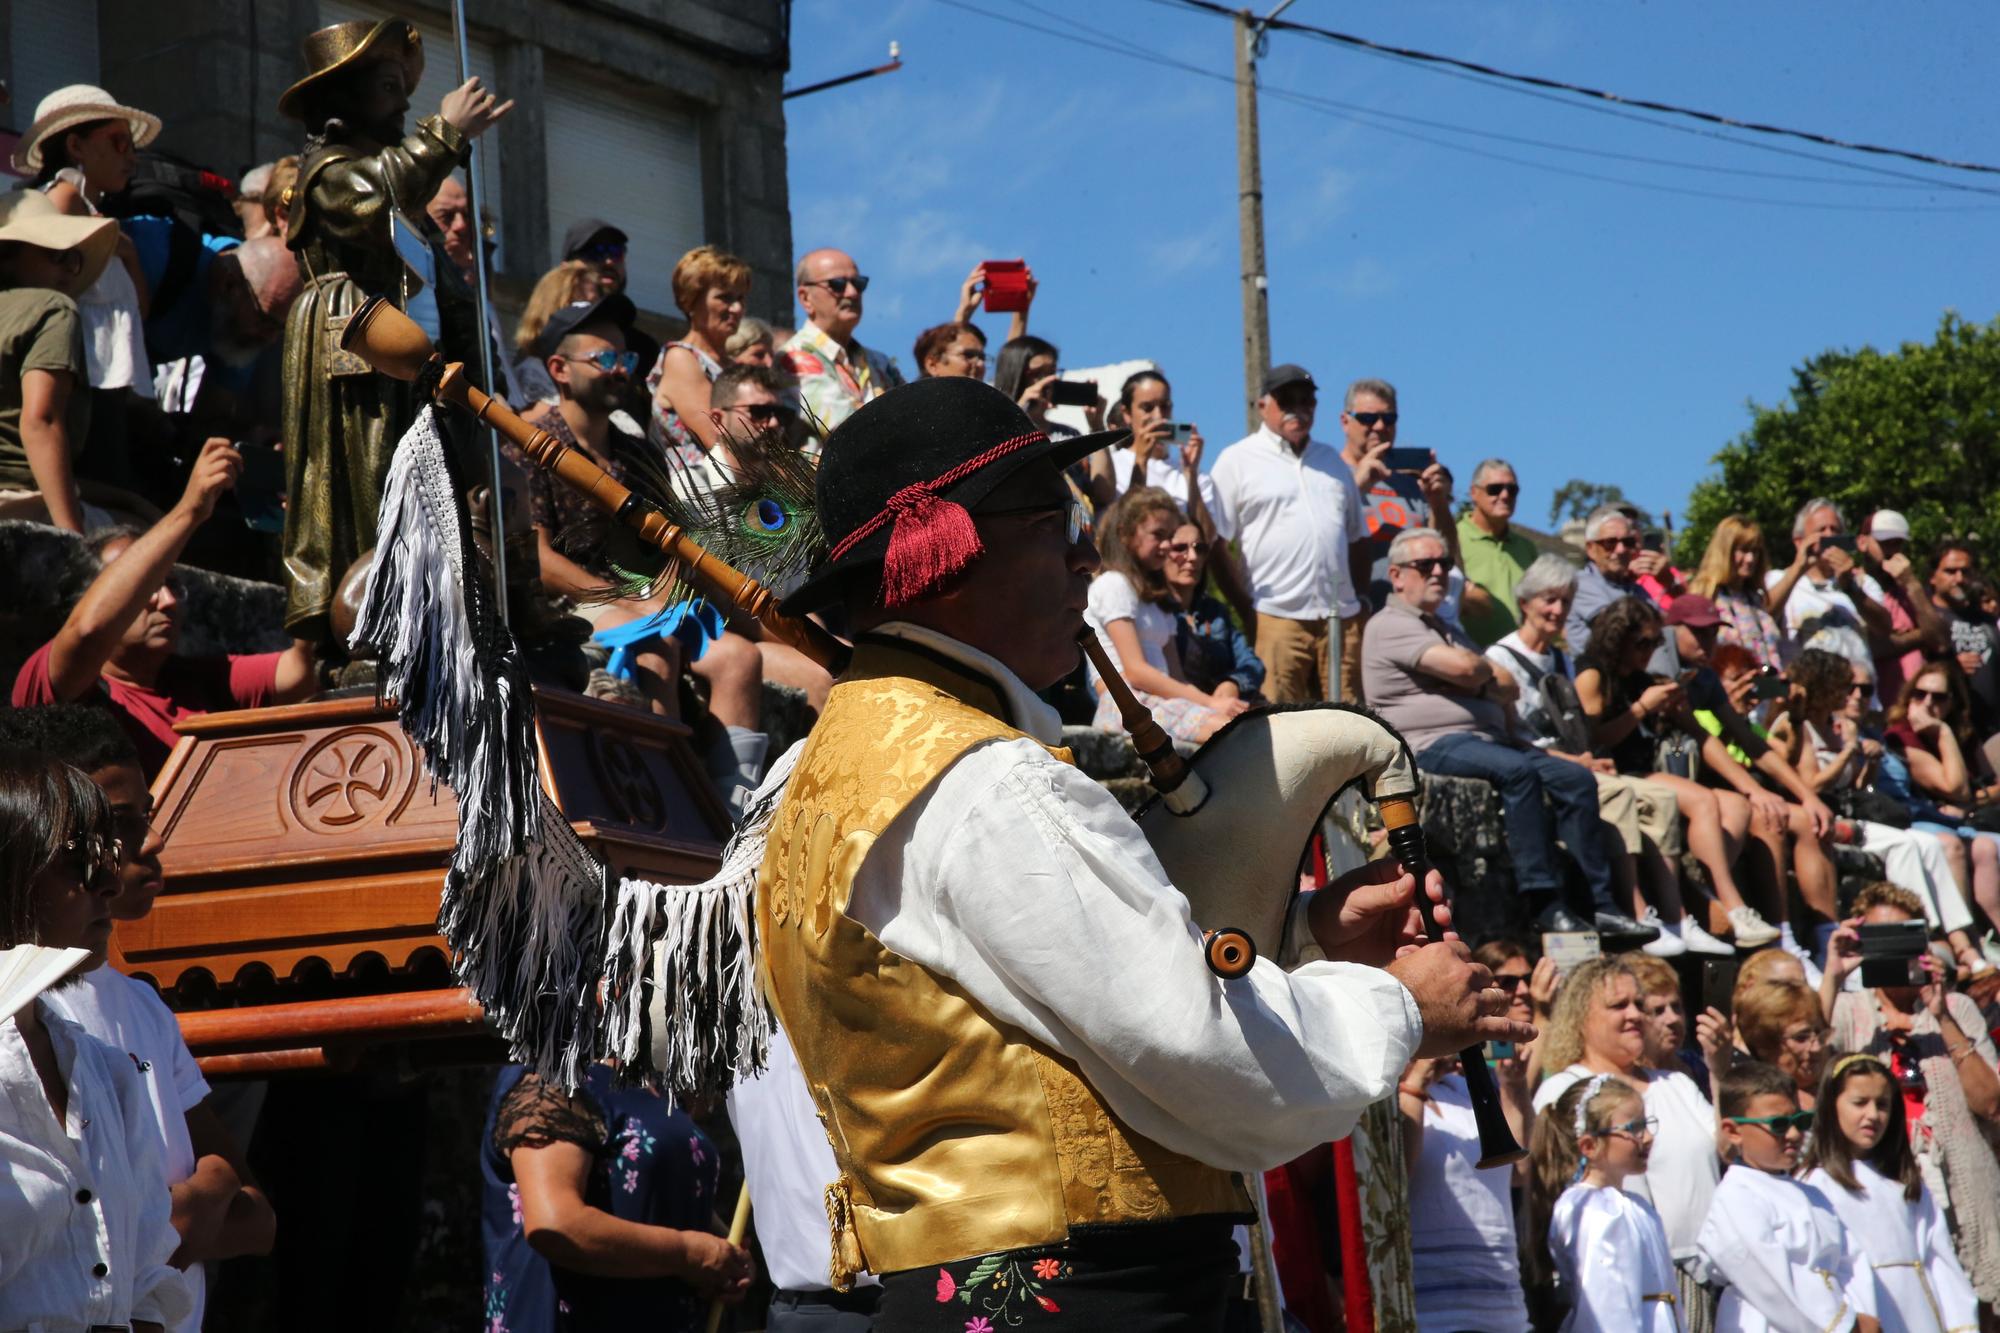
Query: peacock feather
pixel 765 521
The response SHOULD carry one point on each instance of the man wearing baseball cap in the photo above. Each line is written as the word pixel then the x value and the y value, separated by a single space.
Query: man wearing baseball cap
pixel 1035 1089
pixel 1292 504
pixel 1916 625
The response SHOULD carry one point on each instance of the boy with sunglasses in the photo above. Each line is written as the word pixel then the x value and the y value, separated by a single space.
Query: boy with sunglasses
pixel 1775 1243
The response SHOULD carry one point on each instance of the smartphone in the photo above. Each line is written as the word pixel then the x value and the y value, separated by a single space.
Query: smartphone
pixel 1073 393
pixel 1718 983
pixel 1496 1051
pixel 1654 540
pixel 1842 540
pixel 1407 460
pixel 1183 432
pixel 1770 685
pixel 1892 953
pixel 260 490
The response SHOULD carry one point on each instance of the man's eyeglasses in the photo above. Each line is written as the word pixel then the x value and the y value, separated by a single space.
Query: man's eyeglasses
pixel 1617 541
pixel 610 362
pixel 1632 1129
pixel 1187 548
pixel 1076 518
pixel 1859 687
pixel 604 252
pixel 764 412
pixel 132 827
pixel 1777 1125
pixel 1499 488
pixel 839 286
pixel 1373 418
pixel 1429 566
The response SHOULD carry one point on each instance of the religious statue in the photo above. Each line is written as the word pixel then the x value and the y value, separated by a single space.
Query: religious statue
pixel 359 227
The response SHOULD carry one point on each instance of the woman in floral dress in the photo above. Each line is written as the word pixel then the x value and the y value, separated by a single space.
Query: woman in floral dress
pixel 596 1211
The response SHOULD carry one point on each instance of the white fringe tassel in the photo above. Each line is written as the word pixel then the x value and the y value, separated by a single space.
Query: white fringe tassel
pixel 523 901
pixel 684 997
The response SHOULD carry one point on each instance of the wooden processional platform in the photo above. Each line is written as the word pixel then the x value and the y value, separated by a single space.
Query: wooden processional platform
pixel 305 851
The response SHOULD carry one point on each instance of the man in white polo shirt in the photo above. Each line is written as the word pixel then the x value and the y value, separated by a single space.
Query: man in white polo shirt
pixel 1290 502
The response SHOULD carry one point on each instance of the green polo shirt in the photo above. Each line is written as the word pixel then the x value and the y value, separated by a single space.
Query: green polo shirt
pixel 1495 564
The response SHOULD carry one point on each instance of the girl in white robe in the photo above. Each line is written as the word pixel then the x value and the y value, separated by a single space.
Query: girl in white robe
pixel 1609 1247
pixel 1862 1162
pixel 1775 1243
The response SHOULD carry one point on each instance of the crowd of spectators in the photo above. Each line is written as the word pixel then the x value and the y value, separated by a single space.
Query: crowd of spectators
pixel 1678 760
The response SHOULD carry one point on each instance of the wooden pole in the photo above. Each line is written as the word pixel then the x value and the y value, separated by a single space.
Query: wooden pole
pixel 1250 219
pixel 739 1227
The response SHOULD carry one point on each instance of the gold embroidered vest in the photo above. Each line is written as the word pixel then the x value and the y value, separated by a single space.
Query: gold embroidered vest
pixel 955 1136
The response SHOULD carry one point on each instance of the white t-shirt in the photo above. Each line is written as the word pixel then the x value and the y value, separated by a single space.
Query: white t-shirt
pixel 1822 615
pixel 1112 597
pixel 789 1164
pixel 128 1015
pixel 1294 515
pixel 1680 1176
pixel 1531 726
pixel 1467 1267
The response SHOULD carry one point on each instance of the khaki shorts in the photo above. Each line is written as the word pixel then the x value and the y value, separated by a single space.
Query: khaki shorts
pixel 1643 812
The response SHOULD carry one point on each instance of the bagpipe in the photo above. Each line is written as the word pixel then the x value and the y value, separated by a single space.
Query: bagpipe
pixel 679 993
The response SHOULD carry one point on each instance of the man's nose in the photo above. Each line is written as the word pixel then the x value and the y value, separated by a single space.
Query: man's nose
pixel 1083 556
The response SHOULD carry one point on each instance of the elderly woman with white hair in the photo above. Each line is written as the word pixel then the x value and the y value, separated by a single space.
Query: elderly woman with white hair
pixel 1547 715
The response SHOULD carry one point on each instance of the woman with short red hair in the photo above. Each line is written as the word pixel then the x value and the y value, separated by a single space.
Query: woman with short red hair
pixel 709 286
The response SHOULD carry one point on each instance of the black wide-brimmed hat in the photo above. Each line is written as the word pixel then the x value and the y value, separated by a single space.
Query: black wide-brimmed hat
pixel 899 479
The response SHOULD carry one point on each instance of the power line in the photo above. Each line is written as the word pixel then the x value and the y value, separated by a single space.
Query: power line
pixel 1580 90
pixel 1371 118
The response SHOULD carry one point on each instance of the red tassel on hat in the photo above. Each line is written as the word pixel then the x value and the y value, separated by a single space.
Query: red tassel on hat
pixel 933 541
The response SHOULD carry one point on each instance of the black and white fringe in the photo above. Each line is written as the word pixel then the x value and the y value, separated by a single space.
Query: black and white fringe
pixel 523 902
pixel 684 999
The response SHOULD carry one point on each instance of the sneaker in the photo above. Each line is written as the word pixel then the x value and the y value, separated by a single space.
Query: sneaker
pixel 1752 931
pixel 1619 931
pixel 1699 940
pixel 1669 944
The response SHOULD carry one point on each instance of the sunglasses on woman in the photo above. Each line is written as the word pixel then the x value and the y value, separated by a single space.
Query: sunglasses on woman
pixel 1929 696
pixel 1187 548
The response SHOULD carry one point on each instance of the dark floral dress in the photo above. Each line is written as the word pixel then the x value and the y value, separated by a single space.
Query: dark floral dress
pixel 649 1165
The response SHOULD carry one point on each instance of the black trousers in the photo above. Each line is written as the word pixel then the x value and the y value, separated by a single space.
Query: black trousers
pixel 1148 1277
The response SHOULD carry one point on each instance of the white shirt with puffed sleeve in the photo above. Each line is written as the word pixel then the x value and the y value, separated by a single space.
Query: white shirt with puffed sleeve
pixel 1022 881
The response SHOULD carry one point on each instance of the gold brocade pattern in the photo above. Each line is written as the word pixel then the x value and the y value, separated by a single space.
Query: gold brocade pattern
pixel 955 1137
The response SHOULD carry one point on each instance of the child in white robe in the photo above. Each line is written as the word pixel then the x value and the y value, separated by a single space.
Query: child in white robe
pixel 1787 1263
pixel 1862 1162
pixel 1610 1248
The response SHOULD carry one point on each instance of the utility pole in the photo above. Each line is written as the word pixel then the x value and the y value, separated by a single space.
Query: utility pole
pixel 1249 33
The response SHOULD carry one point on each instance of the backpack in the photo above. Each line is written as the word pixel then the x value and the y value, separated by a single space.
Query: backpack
pixel 195 202
pixel 1561 713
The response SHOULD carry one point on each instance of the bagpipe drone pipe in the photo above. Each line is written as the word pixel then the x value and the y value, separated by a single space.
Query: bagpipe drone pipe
pixel 676 993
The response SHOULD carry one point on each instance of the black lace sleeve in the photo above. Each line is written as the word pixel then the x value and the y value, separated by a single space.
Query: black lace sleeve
pixel 535 1114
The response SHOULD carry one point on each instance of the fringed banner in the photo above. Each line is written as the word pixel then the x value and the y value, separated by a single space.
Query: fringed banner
pixel 523 901
pixel 683 997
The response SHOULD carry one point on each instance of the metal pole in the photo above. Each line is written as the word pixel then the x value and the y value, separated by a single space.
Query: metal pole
pixel 495 508
pixel 1250 218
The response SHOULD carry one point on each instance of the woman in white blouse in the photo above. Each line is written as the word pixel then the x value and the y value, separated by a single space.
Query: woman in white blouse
pixel 1132 609
pixel 85 1223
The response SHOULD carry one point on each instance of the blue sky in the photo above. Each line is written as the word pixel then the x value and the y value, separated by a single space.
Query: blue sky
pixel 1581 329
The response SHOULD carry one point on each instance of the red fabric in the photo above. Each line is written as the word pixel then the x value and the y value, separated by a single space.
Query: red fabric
pixel 1356 1295
pixel 1295 1250
pixel 1903 738
pixel 187 687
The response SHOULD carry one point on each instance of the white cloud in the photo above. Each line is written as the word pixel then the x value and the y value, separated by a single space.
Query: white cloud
pixel 1367 277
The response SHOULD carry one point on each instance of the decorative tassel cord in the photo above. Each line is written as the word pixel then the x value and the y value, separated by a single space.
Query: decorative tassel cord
pixel 523 901
pixel 683 997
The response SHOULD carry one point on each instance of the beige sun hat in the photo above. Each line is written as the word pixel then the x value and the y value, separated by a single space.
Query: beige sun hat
pixel 28 216
pixel 78 104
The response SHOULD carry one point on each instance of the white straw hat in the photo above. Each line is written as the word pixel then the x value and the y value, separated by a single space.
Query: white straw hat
pixel 27 215
pixel 78 104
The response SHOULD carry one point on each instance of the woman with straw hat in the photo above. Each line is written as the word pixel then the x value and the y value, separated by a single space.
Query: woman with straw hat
pixel 83 146
pixel 46 258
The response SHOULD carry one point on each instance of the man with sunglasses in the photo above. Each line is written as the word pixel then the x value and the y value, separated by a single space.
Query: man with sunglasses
pixel 1495 555
pixel 836 374
pixel 1611 541
pixel 994 992
pixel 1451 704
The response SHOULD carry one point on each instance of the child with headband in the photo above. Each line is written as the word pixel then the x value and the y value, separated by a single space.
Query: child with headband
pixel 1775 1243
pixel 1610 1248
pixel 1862 1162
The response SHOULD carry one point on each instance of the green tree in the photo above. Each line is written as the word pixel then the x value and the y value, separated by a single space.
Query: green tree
pixel 1576 498
pixel 1916 430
